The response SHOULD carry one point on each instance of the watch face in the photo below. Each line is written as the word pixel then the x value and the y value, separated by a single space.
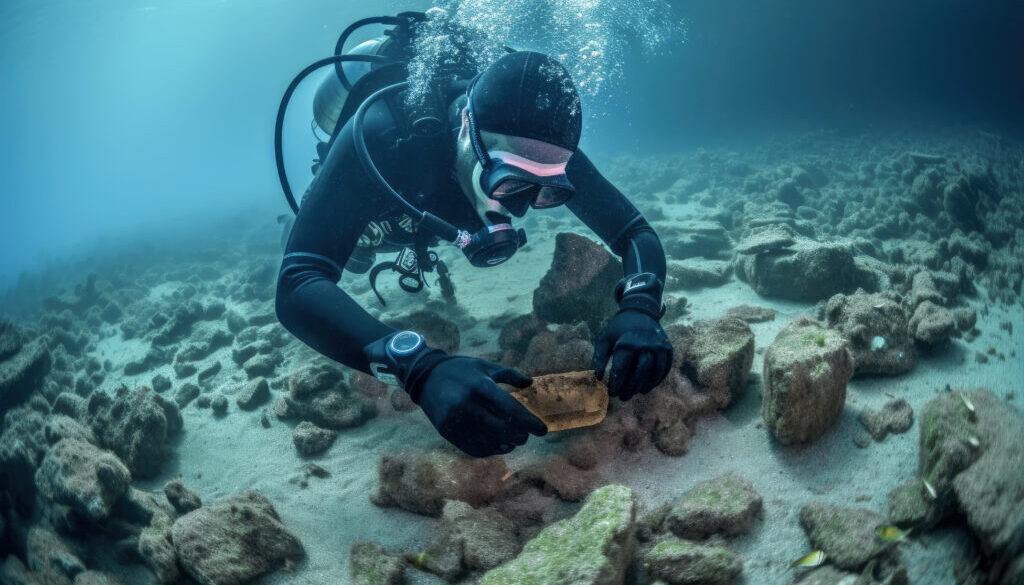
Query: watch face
pixel 405 342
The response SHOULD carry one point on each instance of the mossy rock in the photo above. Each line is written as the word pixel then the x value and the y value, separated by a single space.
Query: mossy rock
pixel 725 505
pixel 593 547
pixel 682 562
pixel 370 564
pixel 846 535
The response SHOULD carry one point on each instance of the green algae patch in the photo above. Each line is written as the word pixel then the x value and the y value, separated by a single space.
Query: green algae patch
pixel 723 505
pixel 591 548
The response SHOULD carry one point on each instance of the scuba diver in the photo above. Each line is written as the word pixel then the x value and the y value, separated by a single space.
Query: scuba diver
pixel 483 147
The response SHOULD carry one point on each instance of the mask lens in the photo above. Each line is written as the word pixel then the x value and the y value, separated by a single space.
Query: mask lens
pixel 510 187
pixel 551 197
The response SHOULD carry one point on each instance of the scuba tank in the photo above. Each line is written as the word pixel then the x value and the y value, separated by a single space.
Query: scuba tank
pixel 331 94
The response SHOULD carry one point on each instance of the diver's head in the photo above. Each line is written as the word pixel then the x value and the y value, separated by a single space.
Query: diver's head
pixel 520 125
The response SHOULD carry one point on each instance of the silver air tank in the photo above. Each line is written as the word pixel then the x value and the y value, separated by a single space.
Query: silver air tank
pixel 330 95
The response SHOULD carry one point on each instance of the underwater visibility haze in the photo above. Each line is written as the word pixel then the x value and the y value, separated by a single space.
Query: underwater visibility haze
pixel 569 292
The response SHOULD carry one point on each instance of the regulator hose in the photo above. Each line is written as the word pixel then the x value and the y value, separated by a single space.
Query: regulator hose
pixel 279 126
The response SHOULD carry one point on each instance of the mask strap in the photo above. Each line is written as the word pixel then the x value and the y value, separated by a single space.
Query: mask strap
pixel 474 132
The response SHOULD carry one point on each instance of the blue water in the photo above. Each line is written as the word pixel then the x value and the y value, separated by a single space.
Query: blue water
pixel 123 115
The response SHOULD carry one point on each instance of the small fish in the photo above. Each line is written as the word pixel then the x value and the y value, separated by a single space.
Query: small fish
pixel 508 474
pixel 973 442
pixel 813 559
pixel 880 306
pixel 930 489
pixel 890 533
pixel 967 403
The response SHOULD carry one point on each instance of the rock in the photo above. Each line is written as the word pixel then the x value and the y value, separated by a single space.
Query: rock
pixel 726 505
pixel 253 394
pixel 556 474
pixel 11 340
pixel 161 383
pixel 958 201
pixel 984 482
pixel 578 285
pixel 896 417
pixel 319 394
pixel 262 365
pixel 70 405
pixel 807 271
pixel 52 559
pixel 690 239
pixel 180 497
pixel 806 370
pixel 682 562
pixel 469 539
pixel 157 550
pixel 594 546
pixel 715 355
pixel 910 505
pixel 766 239
pixel 876 327
pixel 751 314
pixel 845 535
pixel 310 439
pixel 420 482
pixel 219 405
pixel 186 394
pixel 697 273
pixel 932 324
pixel 82 476
pixel 180 323
pixel 135 425
pixel 208 372
pixel 923 289
pixel 184 370
pixel 234 541
pixel 62 427
pixel 96 578
pixel 370 564
pixel 22 372
pixel 567 349
pixel 516 334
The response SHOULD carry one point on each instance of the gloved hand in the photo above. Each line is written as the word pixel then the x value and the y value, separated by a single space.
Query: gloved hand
pixel 641 352
pixel 463 401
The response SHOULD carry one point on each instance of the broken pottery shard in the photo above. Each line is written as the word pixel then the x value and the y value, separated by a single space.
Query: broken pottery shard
pixel 566 401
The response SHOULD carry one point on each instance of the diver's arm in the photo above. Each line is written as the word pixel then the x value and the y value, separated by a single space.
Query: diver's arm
pixel 606 211
pixel 309 302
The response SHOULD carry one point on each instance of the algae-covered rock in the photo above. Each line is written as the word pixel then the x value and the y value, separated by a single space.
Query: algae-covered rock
pixel 896 417
pixel 697 273
pixel 932 324
pixel 319 394
pixel 682 562
pixel 578 284
pixel 726 505
pixel 806 271
pixel 53 560
pixel 469 539
pixel 876 327
pixel 82 476
pixel 420 482
pixel 234 541
pixel 180 497
pixel 310 439
pixel 765 239
pixel 135 425
pixel 846 535
pixel 370 564
pixel 715 355
pixel 253 394
pixel 22 371
pixel 751 313
pixel 156 549
pixel 975 458
pixel 911 505
pixel 593 547
pixel 806 370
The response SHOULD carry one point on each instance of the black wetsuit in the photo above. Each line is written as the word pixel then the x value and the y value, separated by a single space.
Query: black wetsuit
pixel 343 199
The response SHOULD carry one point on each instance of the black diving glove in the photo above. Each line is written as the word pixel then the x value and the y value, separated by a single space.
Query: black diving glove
pixel 460 395
pixel 462 399
pixel 640 351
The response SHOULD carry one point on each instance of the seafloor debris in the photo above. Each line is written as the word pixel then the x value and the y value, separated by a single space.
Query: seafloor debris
pixel 715 355
pixel 806 370
pixel 595 545
pixel 576 286
pixel 247 534
pixel 896 417
pixel 877 329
